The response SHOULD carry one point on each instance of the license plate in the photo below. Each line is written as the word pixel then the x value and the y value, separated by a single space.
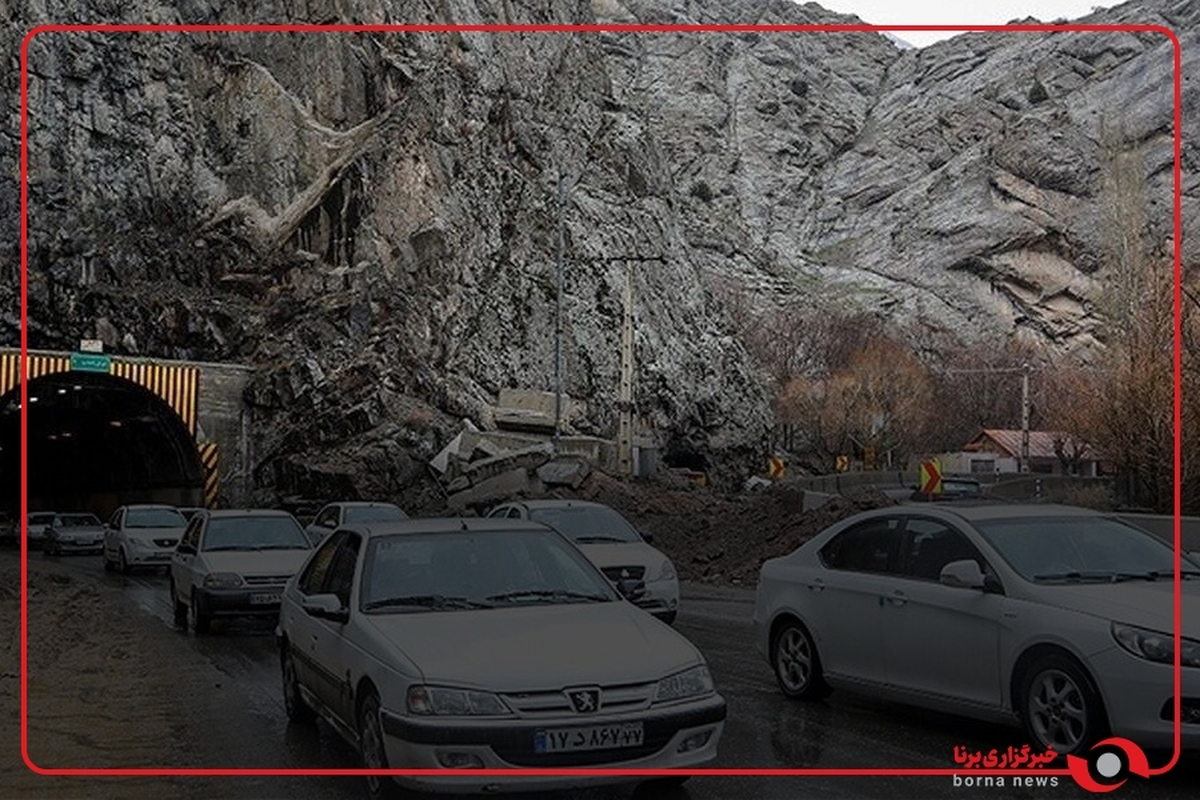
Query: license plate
pixel 264 599
pixel 597 737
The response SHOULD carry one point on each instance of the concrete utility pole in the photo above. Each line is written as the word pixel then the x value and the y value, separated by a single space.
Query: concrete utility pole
pixel 625 425
pixel 1025 417
pixel 558 278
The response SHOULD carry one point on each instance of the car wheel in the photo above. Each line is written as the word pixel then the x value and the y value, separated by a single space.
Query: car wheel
pixel 122 564
pixel 293 702
pixel 374 755
pixel 1059 707
pixel 200 618
pixel 796 663
pixel 48 549
pixel 108 565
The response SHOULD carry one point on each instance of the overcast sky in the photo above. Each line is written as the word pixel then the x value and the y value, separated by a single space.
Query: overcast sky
pixel 936 12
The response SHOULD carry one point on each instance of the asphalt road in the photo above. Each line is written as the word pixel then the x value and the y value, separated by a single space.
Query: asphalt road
pixel 763 730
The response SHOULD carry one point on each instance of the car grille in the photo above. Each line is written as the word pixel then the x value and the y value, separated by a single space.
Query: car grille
pixel 266 580
pixel 166 542
pixel 624 573
pixel 554 703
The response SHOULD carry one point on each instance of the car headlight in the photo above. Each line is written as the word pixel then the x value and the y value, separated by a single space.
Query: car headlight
pixel 222 580
pixel 692 682
pixel 666 572
pixel 430 701
pixel 1155 645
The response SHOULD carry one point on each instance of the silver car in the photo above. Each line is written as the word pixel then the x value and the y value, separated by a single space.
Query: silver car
pixel 73 533
pixel 1056 617
pixel 480 643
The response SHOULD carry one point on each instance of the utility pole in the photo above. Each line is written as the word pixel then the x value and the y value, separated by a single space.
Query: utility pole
pixel 1025 417
pixel 625 425
pixel 558 279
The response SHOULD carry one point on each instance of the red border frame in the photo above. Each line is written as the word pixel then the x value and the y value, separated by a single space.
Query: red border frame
pixel 560 28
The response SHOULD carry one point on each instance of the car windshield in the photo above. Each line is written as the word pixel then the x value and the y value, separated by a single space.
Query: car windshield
pixel 380 513
pixel 587 524
pixel 78 521
pixel 1081 549
pixel 960 487
pixel 415 573
pixel 154 518
pixel 254 533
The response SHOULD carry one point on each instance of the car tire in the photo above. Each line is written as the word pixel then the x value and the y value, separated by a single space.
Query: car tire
pixel 796 664
pixel 200 620
pixel 1059 706
pixel 108 565
pixel 293 701
pixel 371 748
pixel 122 563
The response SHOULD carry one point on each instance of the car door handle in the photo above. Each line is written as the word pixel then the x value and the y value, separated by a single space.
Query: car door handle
pixel 816 585
pixel 897 598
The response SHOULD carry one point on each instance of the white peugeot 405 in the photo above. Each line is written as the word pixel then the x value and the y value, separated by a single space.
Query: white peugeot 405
pixel 452 643
pixel 1058 617
pixel 234 564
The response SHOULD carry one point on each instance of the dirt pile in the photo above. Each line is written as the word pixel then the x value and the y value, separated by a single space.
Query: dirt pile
pixel 715 538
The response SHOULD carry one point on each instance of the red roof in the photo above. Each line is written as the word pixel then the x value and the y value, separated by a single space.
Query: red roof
pixel 1041 443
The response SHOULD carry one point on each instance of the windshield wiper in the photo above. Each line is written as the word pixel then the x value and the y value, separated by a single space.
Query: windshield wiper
pixel 588 539
pixel 232 547
pixel 434 601
pixel 547 594
pixel 1075 576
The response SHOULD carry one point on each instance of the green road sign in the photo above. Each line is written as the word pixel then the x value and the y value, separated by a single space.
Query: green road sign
pixel 90 362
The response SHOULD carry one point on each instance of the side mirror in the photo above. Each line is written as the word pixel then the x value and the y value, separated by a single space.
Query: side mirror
pixel 648 538
pixel 186 549
pixel 964 574
pixel 329 523
pixel 326 606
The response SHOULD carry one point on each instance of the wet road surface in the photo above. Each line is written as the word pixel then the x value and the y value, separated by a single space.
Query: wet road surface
pixel 244 710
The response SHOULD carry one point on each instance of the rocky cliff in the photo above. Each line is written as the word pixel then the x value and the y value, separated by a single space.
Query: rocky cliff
pixel 373 219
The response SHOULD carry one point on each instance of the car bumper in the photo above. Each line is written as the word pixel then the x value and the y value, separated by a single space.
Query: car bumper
pixel 1139 695
pixel 675 738
pixel 241 602
pixel 79 547
pixel 148 557
pixel 661 598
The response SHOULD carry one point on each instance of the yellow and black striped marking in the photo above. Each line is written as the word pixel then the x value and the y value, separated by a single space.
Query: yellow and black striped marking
pixel 211 459
pixel 176 384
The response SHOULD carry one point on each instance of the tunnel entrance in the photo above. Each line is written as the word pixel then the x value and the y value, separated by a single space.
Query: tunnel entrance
pixel 96 442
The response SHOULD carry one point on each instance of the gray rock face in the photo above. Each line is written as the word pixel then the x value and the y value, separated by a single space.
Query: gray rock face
pixel 372 219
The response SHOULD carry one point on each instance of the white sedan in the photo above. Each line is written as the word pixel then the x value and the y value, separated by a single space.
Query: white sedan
pixel 335 515
pixel 1053 616
pixel 234 564
pixel 141 536
pixel 625 556
pixel 452 643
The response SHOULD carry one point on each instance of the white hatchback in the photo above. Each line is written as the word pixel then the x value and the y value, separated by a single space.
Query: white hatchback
pixel 1056 617
pixel 234 564
pixel 468 643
